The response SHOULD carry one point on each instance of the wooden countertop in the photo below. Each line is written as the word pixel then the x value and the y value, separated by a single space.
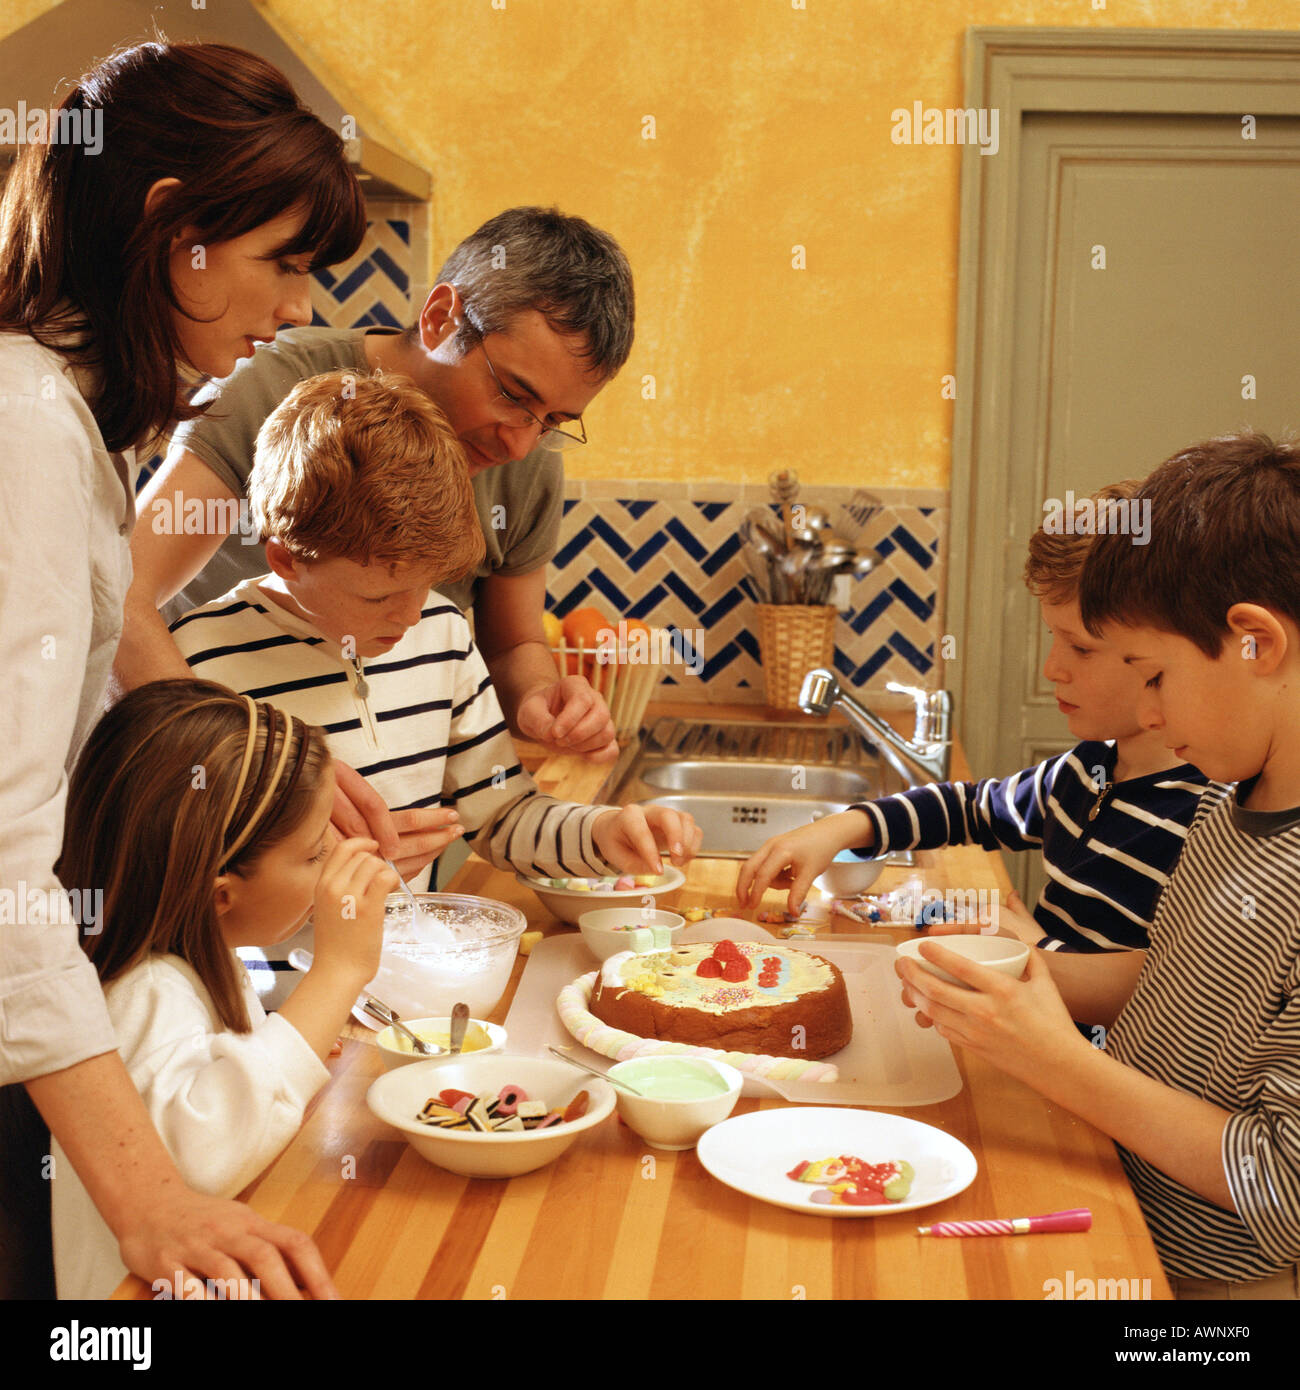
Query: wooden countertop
pixel 613 1219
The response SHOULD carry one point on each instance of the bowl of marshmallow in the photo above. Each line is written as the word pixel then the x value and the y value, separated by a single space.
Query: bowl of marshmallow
pixel 569 898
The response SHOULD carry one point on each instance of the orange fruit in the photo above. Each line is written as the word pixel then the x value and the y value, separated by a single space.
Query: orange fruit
pixel 583 627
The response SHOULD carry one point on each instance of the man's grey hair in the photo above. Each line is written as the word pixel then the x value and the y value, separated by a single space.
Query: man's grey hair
pixel 572 273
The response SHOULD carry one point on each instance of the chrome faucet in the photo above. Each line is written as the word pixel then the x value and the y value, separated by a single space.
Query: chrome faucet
pixel 928 751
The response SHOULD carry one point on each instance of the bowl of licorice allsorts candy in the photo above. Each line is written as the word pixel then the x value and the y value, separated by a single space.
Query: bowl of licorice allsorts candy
pixel 490 1117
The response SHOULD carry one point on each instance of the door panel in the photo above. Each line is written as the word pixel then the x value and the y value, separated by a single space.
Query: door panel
pixel 1157 299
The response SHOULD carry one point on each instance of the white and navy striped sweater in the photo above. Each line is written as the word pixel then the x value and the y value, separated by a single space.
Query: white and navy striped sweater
pixel 1216 1014
pixel 1108 847
pixel 421 724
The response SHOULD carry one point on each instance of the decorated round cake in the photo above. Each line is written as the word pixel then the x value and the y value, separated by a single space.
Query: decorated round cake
pixel 740 996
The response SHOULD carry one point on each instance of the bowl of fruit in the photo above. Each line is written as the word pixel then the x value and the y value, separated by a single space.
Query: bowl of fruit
pixel 490 1117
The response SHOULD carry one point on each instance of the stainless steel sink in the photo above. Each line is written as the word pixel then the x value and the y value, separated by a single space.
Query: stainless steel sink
pixel 735 826
pixel 841 784
pixel 744 783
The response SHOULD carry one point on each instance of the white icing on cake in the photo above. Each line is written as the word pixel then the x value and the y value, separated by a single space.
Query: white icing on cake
pixel 671 976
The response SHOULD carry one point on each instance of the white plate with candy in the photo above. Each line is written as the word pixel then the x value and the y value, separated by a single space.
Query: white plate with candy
pixel 758 1153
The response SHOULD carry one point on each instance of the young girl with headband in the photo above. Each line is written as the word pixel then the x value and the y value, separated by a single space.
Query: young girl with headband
pixel 204 818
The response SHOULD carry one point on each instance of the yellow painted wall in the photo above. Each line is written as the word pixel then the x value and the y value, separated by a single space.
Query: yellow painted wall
pixel 772 130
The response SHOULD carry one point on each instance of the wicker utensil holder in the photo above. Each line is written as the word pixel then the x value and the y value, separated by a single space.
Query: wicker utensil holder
pixel 793 637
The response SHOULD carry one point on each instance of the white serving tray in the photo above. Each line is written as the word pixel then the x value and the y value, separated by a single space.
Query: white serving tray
pixel 890 1063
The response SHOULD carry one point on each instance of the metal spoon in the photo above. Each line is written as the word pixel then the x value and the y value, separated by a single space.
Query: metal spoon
pixel 793 567
pixel 863 563
pixel 761 553
pixel 756 538
pixel 376 1008
pixel 459 1022
pixel 761 519
pixel 760 575
pixel 816 518
pixel 419 918
pixel 822 570
pixel 825 568
pixel 415 907
pixel 833 543
pixel 591 1071
pixel 813 524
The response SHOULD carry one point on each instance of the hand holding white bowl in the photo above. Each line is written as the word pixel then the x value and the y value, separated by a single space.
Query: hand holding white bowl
pixel 1003 954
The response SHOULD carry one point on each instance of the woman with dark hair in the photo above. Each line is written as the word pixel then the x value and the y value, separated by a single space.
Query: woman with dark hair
pixel 165 248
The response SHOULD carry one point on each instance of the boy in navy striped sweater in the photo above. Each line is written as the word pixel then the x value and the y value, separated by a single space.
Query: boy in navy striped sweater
pixel 1199 1082
pixel 1109 816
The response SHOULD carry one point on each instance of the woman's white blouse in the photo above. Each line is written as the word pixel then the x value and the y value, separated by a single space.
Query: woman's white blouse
pixel 66 508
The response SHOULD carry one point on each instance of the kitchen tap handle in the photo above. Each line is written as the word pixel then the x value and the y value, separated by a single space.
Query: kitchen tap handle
pixel 920 699
pixel 932 711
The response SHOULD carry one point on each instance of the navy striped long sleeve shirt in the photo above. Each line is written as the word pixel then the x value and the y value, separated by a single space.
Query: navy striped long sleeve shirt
pixel 1108 847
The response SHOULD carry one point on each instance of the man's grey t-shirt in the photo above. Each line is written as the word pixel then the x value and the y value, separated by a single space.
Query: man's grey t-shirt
pixel 519 504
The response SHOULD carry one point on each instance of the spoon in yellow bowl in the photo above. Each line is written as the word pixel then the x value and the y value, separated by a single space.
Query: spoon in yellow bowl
pixel 376 1008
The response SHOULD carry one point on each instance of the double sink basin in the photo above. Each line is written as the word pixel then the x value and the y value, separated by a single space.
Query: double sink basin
pixel 745 782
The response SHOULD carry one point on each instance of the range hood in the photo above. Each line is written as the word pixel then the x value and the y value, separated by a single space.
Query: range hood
pixel 42 59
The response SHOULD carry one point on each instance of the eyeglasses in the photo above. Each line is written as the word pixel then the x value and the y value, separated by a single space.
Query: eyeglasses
pixel 517 415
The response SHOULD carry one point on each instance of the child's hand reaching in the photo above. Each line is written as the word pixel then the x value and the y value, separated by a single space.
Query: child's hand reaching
pixel 631 839
pixel 348 918
pixel 806 852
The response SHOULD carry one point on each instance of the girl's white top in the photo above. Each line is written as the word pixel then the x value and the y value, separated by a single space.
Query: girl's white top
pixel 224 1103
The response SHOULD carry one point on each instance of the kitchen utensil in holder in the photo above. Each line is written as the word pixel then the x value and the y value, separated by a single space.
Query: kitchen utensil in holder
pixel 794 638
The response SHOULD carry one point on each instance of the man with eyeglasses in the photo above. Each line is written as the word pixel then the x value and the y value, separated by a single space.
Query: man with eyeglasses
pixel 530 317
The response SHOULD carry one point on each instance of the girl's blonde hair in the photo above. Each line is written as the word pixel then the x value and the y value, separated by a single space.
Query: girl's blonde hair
pixel 179 782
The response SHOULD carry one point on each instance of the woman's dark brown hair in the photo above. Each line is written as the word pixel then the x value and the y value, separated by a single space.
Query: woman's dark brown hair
pixel 147 801
pixel 84 269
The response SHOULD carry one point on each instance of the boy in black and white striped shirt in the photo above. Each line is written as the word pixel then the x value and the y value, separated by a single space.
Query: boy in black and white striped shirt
pixel 1199 1082
pixel 361 493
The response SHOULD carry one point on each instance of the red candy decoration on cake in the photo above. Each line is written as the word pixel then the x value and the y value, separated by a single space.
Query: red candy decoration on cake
pixel 726 963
